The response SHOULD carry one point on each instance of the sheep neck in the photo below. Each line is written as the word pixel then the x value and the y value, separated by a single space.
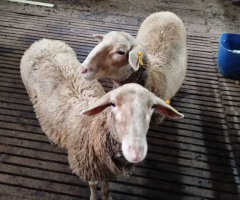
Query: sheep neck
pixel 130 76
pixel 138 77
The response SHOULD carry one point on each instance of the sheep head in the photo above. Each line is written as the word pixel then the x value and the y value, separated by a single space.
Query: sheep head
pixel 131 110
pixel 115 52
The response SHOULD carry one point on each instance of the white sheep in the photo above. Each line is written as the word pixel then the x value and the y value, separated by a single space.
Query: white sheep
pixel 100 147
pixel 161 40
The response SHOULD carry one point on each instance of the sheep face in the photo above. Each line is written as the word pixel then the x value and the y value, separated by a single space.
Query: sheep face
pixel 115 51
pixel 131 110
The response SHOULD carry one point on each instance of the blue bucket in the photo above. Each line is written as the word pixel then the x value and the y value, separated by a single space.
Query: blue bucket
pixel 229 55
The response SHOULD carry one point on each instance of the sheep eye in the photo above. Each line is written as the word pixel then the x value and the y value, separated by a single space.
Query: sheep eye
pixel 121 52
pixel 113 104
pixel 153 106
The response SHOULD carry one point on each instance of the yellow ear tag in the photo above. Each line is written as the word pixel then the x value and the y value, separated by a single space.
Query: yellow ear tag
pixel 168 102
pixel 139 57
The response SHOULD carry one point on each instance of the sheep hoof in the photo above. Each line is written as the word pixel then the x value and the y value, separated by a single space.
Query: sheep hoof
pixel 107 198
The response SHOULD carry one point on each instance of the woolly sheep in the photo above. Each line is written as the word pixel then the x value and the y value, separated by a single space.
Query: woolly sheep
pixel 162 41
pixel 104 133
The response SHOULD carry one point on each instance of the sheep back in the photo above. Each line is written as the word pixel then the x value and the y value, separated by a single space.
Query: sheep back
pixel 164 37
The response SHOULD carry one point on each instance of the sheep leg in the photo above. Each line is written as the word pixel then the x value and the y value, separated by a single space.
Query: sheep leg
pixel 93 187
pixel 105 191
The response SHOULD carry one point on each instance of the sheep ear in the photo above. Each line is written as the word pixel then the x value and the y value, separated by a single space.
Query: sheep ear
pixel 168 111
pixel 133 58
pixel 98 37
pixel 98 105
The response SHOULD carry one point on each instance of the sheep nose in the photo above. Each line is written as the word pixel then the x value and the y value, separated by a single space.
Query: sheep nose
pixel 84 71
pixel 136 157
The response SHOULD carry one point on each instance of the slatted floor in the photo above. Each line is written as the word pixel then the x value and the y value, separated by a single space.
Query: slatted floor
pixel 195 158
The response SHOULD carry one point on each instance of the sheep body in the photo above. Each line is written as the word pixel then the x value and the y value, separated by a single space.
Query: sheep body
pixel 49 71
pixel 163 37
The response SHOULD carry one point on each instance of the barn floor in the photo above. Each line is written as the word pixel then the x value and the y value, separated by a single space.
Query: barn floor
pixel 195 158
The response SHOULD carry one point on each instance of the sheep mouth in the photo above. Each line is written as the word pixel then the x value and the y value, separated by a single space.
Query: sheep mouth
pixel 87 75
pixel 84 71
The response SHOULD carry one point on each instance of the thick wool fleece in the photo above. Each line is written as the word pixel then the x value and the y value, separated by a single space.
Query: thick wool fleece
pixel 49 71
pixel 163 37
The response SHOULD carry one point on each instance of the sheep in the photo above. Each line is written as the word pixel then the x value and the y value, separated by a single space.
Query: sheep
pixel 104 133
pixel 161 40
